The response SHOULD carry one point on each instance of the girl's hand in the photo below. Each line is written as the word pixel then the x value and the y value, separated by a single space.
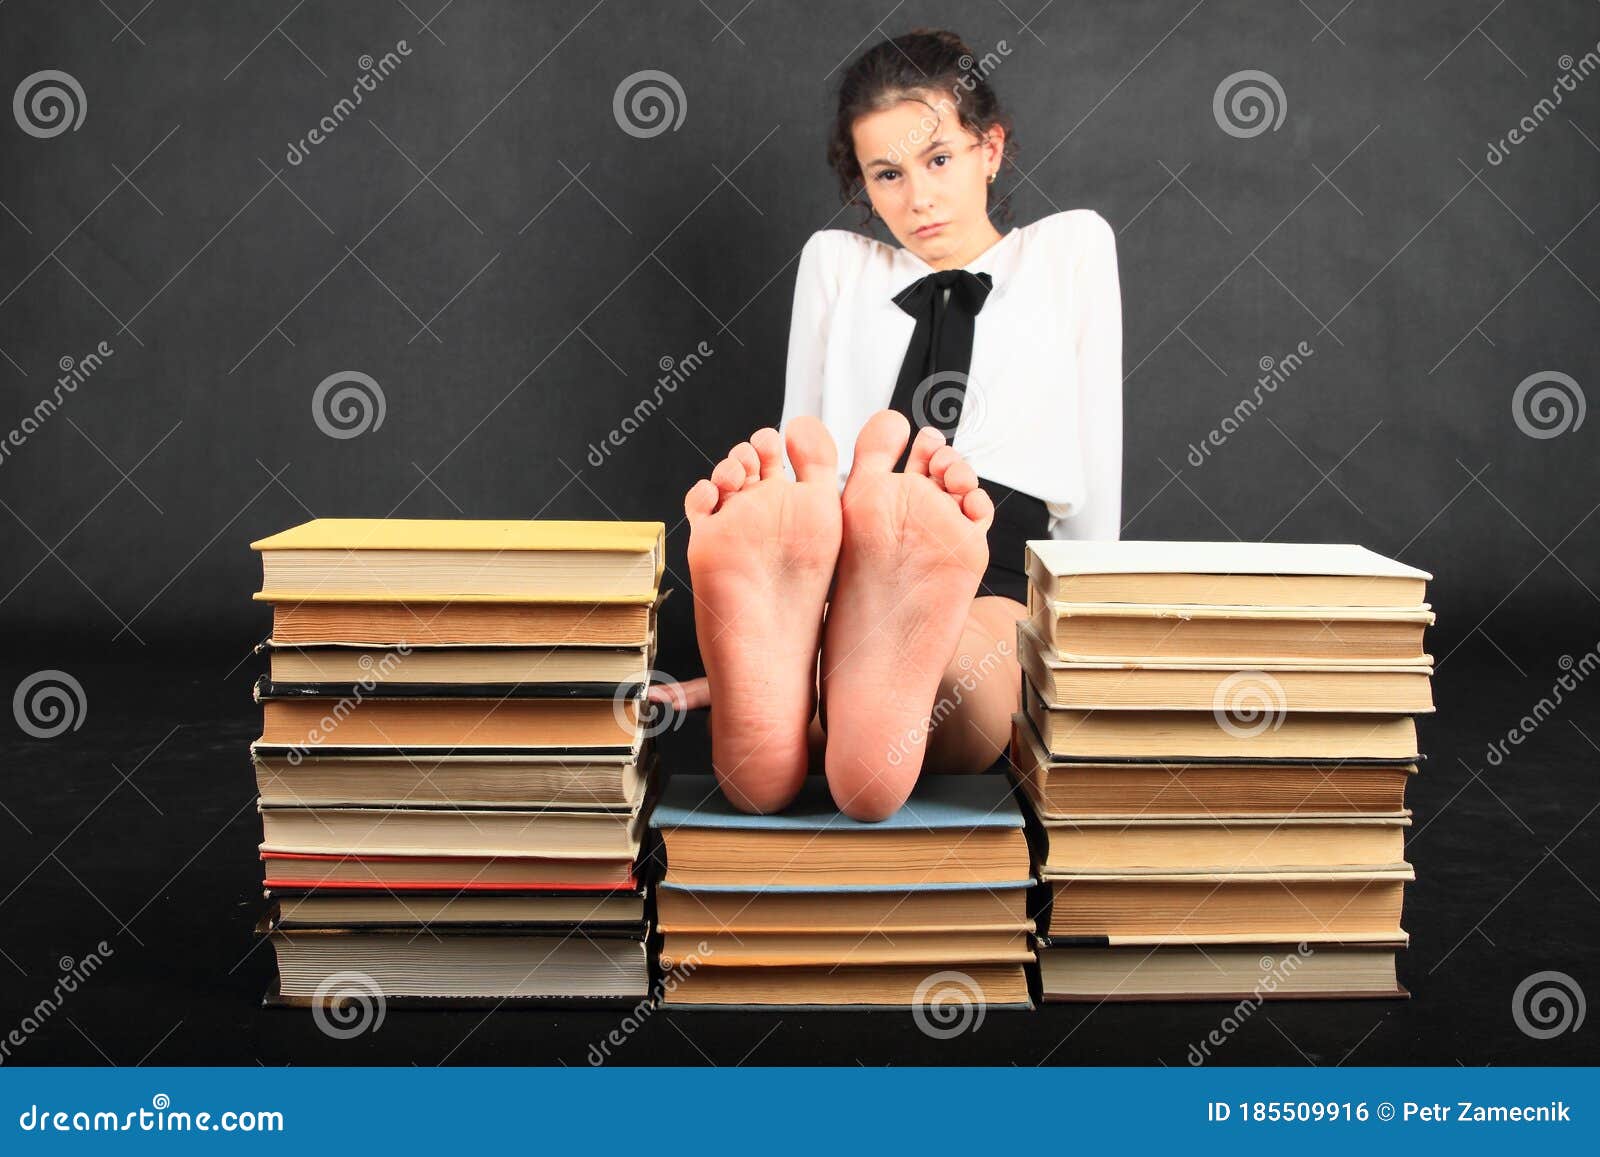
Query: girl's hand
pixel 685 696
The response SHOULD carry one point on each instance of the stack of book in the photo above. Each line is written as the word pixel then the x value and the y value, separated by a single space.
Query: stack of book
pixel 1214 744
pixel 808 907
pixel 453 767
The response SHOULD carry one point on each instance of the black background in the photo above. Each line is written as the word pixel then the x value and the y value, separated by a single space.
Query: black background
pixel 557 259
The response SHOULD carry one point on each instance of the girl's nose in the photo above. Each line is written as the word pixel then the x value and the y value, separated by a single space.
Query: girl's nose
pixel 921 192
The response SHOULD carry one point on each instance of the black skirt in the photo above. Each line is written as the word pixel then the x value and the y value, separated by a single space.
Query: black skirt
pixel 1017 518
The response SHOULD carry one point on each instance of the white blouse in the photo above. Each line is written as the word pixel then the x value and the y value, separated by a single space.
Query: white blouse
pixel 1043 406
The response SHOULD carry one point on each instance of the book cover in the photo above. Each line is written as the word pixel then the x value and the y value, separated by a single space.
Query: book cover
pixel 1134 556
pixel 939 802
pixel 265 688
pixel 836 889
pixel 466 534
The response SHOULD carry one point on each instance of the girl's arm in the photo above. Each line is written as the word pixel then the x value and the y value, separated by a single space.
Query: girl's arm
pixel 1099 328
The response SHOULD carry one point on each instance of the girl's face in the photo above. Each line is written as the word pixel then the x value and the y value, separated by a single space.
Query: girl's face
pixel 928 177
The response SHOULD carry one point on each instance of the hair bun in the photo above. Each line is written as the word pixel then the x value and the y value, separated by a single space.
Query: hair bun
pixel 945 39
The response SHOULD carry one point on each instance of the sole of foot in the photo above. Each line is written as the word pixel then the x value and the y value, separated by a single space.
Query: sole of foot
pixel 914 548
pixel 762 551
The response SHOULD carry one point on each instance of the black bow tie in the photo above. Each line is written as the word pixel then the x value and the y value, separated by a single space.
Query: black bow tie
pixel 931 388
pixel 971 288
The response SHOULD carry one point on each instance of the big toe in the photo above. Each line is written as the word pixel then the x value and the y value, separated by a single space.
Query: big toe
pixel 881 441
pixel 811 450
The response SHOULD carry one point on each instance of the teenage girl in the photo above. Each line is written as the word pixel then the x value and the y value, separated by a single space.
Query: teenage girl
pixel 858 609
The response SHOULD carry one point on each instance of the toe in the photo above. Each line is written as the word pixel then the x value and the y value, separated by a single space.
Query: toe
pixel 943 458
pixel 927 442
pixel 811 450
pixel 729 476
pixel 960 478
pixel 979 507
pixel 768 444
pixel 701 500
pixel 745 454
pixel 881 441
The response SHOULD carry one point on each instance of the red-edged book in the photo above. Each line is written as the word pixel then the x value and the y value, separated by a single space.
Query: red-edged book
pixel 325 871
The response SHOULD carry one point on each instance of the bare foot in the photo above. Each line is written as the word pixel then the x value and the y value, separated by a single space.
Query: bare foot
pixel 915 545
pixel 761 554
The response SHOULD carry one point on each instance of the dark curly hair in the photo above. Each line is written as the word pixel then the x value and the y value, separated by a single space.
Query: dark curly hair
pixel 908 68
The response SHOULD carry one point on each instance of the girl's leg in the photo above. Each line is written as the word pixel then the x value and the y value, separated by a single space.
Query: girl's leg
pixel 981 690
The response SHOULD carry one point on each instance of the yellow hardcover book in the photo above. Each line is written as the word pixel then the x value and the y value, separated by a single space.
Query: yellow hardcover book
pixel 466 560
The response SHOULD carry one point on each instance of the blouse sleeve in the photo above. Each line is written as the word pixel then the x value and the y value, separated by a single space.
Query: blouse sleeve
pixel 1098 324
pixel 815 289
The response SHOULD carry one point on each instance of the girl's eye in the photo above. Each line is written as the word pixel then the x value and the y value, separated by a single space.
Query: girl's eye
pixel 940 160
pixel 885 175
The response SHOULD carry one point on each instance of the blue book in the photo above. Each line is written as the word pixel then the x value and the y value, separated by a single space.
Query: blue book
pixel 955 829
pixel 938 802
